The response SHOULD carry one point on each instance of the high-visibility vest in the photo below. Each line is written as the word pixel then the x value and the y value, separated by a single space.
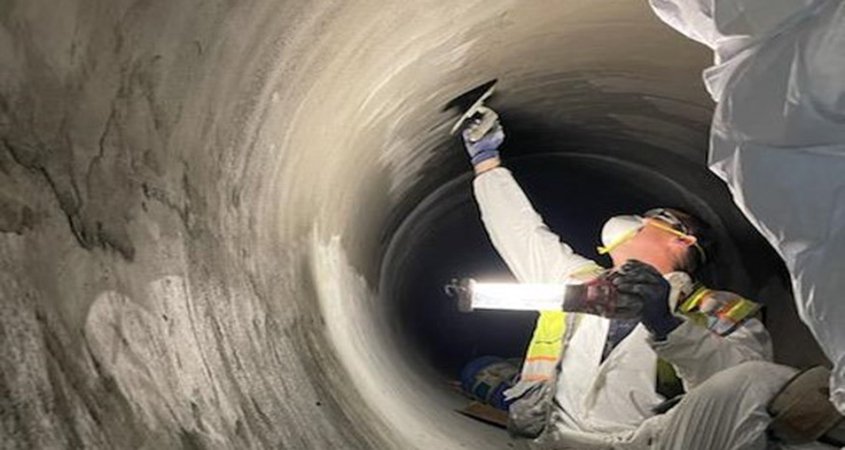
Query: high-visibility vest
pixel 719 311
pixel 546 347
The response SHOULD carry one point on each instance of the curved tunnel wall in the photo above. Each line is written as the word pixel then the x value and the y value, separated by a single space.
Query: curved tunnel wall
pixel 199 197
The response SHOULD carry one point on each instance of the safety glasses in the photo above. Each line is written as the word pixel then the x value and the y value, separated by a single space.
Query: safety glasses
pixel 677 225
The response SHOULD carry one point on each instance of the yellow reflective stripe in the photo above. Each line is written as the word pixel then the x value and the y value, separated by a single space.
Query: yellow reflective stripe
pixel 738 310
pixel 723 316
pixel 694 299
pixel 546 345
pixel 742 309
pixel 539 350
pixel 548 335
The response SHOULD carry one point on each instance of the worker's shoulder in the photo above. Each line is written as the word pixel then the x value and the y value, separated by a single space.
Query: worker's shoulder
pixel 585 272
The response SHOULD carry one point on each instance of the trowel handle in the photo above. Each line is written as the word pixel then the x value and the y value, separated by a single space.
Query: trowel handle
pixel 488 119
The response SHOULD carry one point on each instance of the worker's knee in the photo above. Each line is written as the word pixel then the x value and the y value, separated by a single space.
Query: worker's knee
pixel 753 381
pixel 729 408
pixel 760 373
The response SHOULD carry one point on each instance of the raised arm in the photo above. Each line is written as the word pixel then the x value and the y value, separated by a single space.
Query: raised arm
pixel 532 252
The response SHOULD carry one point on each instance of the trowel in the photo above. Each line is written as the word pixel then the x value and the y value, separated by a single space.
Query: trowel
pixel 472 104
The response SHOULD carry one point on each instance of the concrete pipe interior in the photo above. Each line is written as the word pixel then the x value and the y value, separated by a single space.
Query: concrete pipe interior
pixel 226 224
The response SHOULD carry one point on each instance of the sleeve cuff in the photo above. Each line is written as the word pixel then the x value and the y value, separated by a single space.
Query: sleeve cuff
pixel 682 337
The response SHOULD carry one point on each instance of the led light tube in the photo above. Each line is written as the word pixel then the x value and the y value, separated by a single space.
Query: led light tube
pixel 516 296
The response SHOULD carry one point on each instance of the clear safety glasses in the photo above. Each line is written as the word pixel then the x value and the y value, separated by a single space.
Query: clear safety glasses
pixel 678 226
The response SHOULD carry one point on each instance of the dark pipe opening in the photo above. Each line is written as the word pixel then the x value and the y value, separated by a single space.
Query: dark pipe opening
pixel 576 177
pixel 575 193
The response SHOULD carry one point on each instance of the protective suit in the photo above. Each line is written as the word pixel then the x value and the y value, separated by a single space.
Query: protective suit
pixel 778 139
pixel 590 402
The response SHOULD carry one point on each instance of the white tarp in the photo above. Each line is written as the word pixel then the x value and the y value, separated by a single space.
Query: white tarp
pixel 778 138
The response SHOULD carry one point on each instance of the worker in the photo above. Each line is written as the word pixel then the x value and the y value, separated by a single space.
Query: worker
pixel 589 381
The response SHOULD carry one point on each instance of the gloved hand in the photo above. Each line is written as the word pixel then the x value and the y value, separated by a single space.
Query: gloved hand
pixel 481 148
pixel 638 282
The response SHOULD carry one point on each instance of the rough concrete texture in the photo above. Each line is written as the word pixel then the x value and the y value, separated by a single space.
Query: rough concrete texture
pixel 196 197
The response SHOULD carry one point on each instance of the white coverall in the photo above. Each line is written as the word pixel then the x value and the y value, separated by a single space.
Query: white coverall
pixel 607 404
pixel 778 139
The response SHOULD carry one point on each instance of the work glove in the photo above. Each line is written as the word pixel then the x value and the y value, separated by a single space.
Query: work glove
pixel 638 282
pixel 485 146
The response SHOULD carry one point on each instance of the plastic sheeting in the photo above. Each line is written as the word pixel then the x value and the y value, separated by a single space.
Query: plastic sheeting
pixel 778 138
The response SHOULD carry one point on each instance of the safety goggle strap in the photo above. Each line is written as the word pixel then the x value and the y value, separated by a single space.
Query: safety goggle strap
pixel 656 223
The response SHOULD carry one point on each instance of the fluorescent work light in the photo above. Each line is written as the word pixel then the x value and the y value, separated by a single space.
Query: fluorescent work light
pixel 597 296
pixel 473 295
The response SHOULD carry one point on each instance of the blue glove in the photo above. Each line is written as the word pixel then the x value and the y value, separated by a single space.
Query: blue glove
pixel 486 146
pixel 638 282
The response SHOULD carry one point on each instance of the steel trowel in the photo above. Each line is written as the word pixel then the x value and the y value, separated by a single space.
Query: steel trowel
pixel 472 104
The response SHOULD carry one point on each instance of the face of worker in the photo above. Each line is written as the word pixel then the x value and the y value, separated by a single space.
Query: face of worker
pixel 653 246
